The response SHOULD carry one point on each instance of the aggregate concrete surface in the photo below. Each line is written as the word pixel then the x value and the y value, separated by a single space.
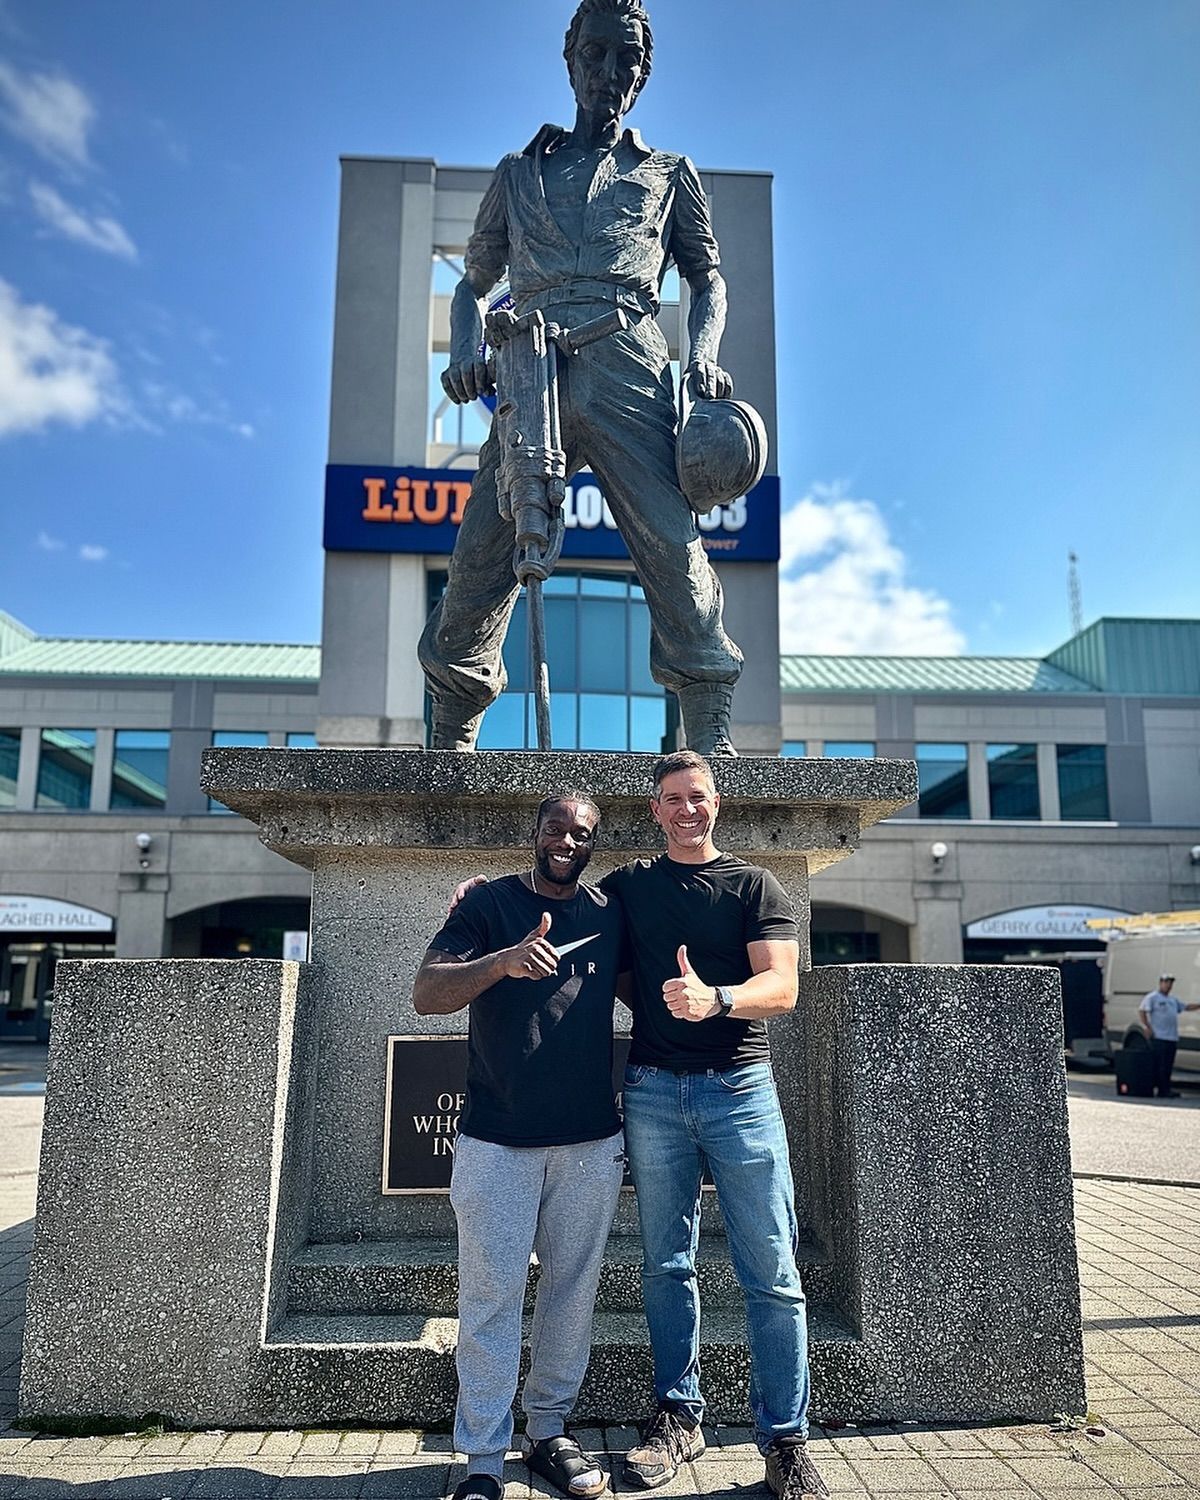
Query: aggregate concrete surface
pixel 1139 1255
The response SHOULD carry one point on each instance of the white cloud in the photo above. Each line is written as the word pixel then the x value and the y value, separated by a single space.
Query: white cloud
pixel 49 112
pixel 51 371
pixel 176 406
pixel 843 588
pixel 89 552
pixel 49 543
pixel 99 232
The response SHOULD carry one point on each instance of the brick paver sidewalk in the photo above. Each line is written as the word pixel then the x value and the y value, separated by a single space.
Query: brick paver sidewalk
pixel 1139 1250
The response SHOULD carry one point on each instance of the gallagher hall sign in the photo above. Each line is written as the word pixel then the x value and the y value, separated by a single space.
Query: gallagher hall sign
pixel 419 510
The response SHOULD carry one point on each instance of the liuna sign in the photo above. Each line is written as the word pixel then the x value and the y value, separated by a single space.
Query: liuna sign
pixel 419 510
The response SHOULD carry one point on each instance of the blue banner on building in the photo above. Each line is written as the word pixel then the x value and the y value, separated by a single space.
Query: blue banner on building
pixel 419 510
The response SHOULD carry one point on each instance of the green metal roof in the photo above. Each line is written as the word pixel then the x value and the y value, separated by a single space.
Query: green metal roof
pixel 244 661
pixel 13 635
pixel 925 674
pixel 1135 656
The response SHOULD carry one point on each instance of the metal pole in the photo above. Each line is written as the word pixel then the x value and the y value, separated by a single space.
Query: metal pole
pixel 539 671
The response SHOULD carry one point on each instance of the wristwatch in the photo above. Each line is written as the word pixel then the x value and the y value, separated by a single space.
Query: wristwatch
pixel 724 999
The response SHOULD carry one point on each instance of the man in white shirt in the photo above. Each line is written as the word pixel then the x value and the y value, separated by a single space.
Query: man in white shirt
pixel 1160 1012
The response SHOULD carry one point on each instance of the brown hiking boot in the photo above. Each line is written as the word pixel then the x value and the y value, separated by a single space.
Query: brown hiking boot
pixel 669 1440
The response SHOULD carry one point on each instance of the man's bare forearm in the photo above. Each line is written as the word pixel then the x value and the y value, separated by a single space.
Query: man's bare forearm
pixel 444 985
pixel 706 317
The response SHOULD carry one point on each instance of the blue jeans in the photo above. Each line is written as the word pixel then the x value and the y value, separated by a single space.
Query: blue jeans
pixel 673 1125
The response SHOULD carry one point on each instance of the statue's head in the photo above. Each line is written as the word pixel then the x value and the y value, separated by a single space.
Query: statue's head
pixel 608 50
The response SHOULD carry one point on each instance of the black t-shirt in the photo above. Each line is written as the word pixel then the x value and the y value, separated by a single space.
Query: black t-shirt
pixel 539 1051
pixel 715 909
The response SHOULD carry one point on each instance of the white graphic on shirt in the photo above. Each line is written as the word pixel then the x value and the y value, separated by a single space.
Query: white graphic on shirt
pixel 579 942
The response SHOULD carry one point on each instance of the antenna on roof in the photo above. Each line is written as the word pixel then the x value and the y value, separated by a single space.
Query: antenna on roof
pixel 1074 593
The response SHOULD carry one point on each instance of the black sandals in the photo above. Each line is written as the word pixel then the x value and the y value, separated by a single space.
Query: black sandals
pixel 562 1462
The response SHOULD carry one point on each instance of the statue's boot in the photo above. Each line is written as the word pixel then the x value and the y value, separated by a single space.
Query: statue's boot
pixel 705 708
pixel 455 723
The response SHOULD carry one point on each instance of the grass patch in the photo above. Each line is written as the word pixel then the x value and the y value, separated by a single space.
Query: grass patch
pixel 96 1424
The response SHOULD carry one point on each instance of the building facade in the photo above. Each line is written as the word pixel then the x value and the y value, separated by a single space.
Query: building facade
pixel 1051 789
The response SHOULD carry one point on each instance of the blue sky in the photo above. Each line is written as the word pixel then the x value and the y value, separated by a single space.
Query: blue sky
pixel 987 243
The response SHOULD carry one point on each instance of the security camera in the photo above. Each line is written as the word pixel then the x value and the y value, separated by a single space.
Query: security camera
pixel 1194 854
pixel 939 851
pixel 143 841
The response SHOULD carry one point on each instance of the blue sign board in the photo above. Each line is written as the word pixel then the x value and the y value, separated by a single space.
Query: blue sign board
pixel 419 510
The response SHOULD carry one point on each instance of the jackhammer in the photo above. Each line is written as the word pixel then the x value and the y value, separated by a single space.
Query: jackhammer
pixel 532 483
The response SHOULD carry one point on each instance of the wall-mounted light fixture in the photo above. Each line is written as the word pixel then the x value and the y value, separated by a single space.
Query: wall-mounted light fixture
pixel 144 842
pixel 938 852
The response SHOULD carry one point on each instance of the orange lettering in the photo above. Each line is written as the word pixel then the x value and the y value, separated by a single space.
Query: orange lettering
pixel 462 493
pixel 403 502
pixel 429 513
pixel 376 510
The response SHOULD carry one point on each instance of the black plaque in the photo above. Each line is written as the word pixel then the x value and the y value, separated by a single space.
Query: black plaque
pixel 426 1083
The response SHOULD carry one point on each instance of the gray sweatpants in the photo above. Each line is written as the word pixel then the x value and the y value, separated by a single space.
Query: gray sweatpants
pixel 558 1201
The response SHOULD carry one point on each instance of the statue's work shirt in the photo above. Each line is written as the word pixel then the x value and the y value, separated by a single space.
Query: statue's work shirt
pixel 644 209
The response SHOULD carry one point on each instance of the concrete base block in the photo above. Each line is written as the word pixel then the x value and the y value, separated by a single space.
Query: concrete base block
pixel 212 1243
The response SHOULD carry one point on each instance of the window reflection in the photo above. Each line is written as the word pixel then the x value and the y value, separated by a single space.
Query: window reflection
pixel 10 756
pixel 942 775
pixel 139 773
pixel 1082 782
pixel 598 642
pixel 1013 782
pixel 65 764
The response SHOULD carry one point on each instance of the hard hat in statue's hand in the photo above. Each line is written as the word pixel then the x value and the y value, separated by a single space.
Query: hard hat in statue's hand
pixel 721 451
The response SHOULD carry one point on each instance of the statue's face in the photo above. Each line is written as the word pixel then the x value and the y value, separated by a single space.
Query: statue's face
pixel 608 63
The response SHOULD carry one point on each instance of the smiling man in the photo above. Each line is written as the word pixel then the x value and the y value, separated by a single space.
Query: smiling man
pixel 714 952
pixel 714 944
pixel 539 1158
pixel 587 220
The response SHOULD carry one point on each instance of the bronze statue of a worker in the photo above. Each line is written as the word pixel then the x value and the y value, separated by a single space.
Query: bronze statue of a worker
pixel 586 220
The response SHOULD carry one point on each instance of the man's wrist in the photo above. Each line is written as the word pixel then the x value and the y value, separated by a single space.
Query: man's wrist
pixel 723 1000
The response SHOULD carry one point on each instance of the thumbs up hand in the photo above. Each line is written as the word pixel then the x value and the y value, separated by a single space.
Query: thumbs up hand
pixel 533 957
pixel 688 998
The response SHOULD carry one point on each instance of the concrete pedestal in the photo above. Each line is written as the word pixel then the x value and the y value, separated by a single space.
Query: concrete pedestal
pixel 230 1214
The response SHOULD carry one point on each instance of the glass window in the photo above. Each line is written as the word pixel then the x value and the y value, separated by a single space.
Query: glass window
pixel 1082 782
pixel 301 740
pixel 603 628
pixel 561 648
pixel 139 773
pixel 10 755
pixel 65 768
pixel 794 748
pixel 1012 781
pixel 231 737
pixel 853 749
pixel 602 721
pixel 504 724
pixel 598 642
pixel 647 723
pixel 942 775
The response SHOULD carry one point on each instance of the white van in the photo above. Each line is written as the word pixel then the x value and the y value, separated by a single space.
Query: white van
pixel 1132 964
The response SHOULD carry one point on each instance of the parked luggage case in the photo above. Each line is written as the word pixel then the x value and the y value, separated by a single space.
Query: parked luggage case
pixel 1135 1072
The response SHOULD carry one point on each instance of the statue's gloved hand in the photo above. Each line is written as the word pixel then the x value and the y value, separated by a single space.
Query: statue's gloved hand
pixel 709 381
pixel 465 380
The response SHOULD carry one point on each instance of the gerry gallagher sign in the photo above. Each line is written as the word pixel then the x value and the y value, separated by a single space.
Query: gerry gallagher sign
pixel 44 914
pixel 419 510
pixel 1055 922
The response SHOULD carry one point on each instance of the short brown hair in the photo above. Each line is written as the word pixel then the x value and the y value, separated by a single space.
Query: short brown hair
pixel 681 760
